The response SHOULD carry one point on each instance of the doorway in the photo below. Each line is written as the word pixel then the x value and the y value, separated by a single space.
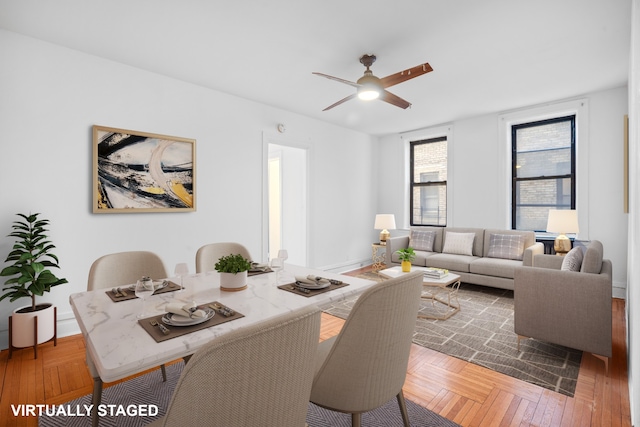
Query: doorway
pixel 287 202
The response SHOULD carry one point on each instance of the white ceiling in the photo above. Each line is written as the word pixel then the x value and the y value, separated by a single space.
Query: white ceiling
pixel 487 55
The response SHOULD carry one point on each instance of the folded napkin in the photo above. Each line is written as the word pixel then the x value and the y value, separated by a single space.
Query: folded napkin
pixel 312 280
pixel 158 284
pixel 258 267
pixel 187 310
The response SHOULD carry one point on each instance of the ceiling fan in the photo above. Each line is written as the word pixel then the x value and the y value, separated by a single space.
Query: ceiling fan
pixel 371 87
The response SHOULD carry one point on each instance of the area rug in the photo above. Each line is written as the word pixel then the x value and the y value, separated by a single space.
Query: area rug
pixel 150 390
pixel 482 333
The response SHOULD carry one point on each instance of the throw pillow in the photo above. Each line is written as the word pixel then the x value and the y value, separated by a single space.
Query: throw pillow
pixel 506 246
pixel 573 260
pixel 592 261
pixel 458 243
pixel 422 240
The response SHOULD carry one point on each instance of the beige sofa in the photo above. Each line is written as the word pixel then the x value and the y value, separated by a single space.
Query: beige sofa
pixel 569 308
pixel 482 265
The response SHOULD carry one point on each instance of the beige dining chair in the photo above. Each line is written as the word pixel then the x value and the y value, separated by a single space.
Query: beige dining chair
pixel 114 270
pixel 208 255
pixel 365 365
pixel 255 376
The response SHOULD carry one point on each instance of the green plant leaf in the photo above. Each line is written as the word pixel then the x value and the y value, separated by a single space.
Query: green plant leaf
pixel 37 268
pixel 10 270
pixel 28 275
pixel 406 254
pixel 232 264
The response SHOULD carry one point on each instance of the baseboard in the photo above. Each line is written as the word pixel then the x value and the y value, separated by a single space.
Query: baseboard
pixel 347 266
pixel 619 292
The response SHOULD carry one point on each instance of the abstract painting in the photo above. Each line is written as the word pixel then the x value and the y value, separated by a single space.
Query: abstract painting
pixel 142 172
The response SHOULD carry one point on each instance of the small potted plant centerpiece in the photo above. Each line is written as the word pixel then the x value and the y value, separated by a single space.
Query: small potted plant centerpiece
pixel 406 256
pixel 233 272
pixel 30 276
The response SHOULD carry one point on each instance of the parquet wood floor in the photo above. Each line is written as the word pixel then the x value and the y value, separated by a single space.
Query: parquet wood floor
pixel 460 391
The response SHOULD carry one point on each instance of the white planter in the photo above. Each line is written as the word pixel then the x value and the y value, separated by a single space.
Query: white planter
pixel 233 282
pixel 22 325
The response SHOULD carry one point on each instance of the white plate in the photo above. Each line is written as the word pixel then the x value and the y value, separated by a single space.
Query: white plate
pixel 177 320
pixel 320 285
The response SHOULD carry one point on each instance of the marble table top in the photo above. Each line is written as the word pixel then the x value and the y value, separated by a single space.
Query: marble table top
pixel 393 272
pixel 120 347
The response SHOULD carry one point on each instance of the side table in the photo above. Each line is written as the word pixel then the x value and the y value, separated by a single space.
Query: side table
pixel 378 256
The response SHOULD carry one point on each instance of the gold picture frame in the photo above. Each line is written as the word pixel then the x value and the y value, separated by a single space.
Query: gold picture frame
pixel 136 172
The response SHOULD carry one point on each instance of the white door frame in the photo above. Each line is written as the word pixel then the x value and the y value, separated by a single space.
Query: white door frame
pixel 281 140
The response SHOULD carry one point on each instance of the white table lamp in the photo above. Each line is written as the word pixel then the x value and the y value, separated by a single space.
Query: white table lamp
pixel 562 222
pixel 385 222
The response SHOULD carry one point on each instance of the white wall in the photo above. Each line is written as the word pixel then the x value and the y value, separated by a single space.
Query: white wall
pixel 477 186
pixel 51 96
pixel 633 293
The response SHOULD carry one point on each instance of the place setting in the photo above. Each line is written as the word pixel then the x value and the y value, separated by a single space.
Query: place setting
pixel 259 268
pixel 311 285
pixel 154 287
pixel 180 319
pixel 276 264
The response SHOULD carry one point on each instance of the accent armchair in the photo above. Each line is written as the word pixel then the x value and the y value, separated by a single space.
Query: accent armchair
pixel 569 308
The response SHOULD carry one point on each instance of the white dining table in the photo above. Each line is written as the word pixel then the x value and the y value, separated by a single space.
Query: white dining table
pixel 120 347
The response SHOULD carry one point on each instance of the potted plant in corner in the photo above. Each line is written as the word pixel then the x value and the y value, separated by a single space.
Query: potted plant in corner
pixel 30 277
pixel 406 256
pixel 233 271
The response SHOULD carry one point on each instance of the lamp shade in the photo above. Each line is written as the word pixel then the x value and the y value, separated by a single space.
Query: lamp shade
pixel 385 222
pixel 562 221
pixel 370 87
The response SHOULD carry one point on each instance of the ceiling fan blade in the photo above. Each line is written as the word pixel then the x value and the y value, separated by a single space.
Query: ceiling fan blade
pixel 405 75
pixel 394 100
pixel 353 95
pixel 338 79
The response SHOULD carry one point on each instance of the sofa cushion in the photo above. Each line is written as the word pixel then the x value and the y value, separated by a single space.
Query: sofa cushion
pixel 458 243
pixel 573 260
pixel 421 258
pixel 506 246
pixel 496 267
pixel 422 240
pixel 452 262
pixel 592 262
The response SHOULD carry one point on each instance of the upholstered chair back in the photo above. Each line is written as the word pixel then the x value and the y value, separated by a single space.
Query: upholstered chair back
pixel 208 255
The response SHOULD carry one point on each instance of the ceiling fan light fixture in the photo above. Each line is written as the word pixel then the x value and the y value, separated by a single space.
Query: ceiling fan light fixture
pixel 368 94
pixel 370 87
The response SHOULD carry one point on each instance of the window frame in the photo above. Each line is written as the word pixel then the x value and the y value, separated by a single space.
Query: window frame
pixel 413 185
pixel 571 118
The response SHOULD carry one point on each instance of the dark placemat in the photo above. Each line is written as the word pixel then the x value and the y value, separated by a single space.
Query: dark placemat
pixel 176 331
pixel 260 271
pixel 293 288
pixel 171 287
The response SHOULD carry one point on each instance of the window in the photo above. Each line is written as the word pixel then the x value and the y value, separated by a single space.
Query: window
pixel 543 171
pixel 429 182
